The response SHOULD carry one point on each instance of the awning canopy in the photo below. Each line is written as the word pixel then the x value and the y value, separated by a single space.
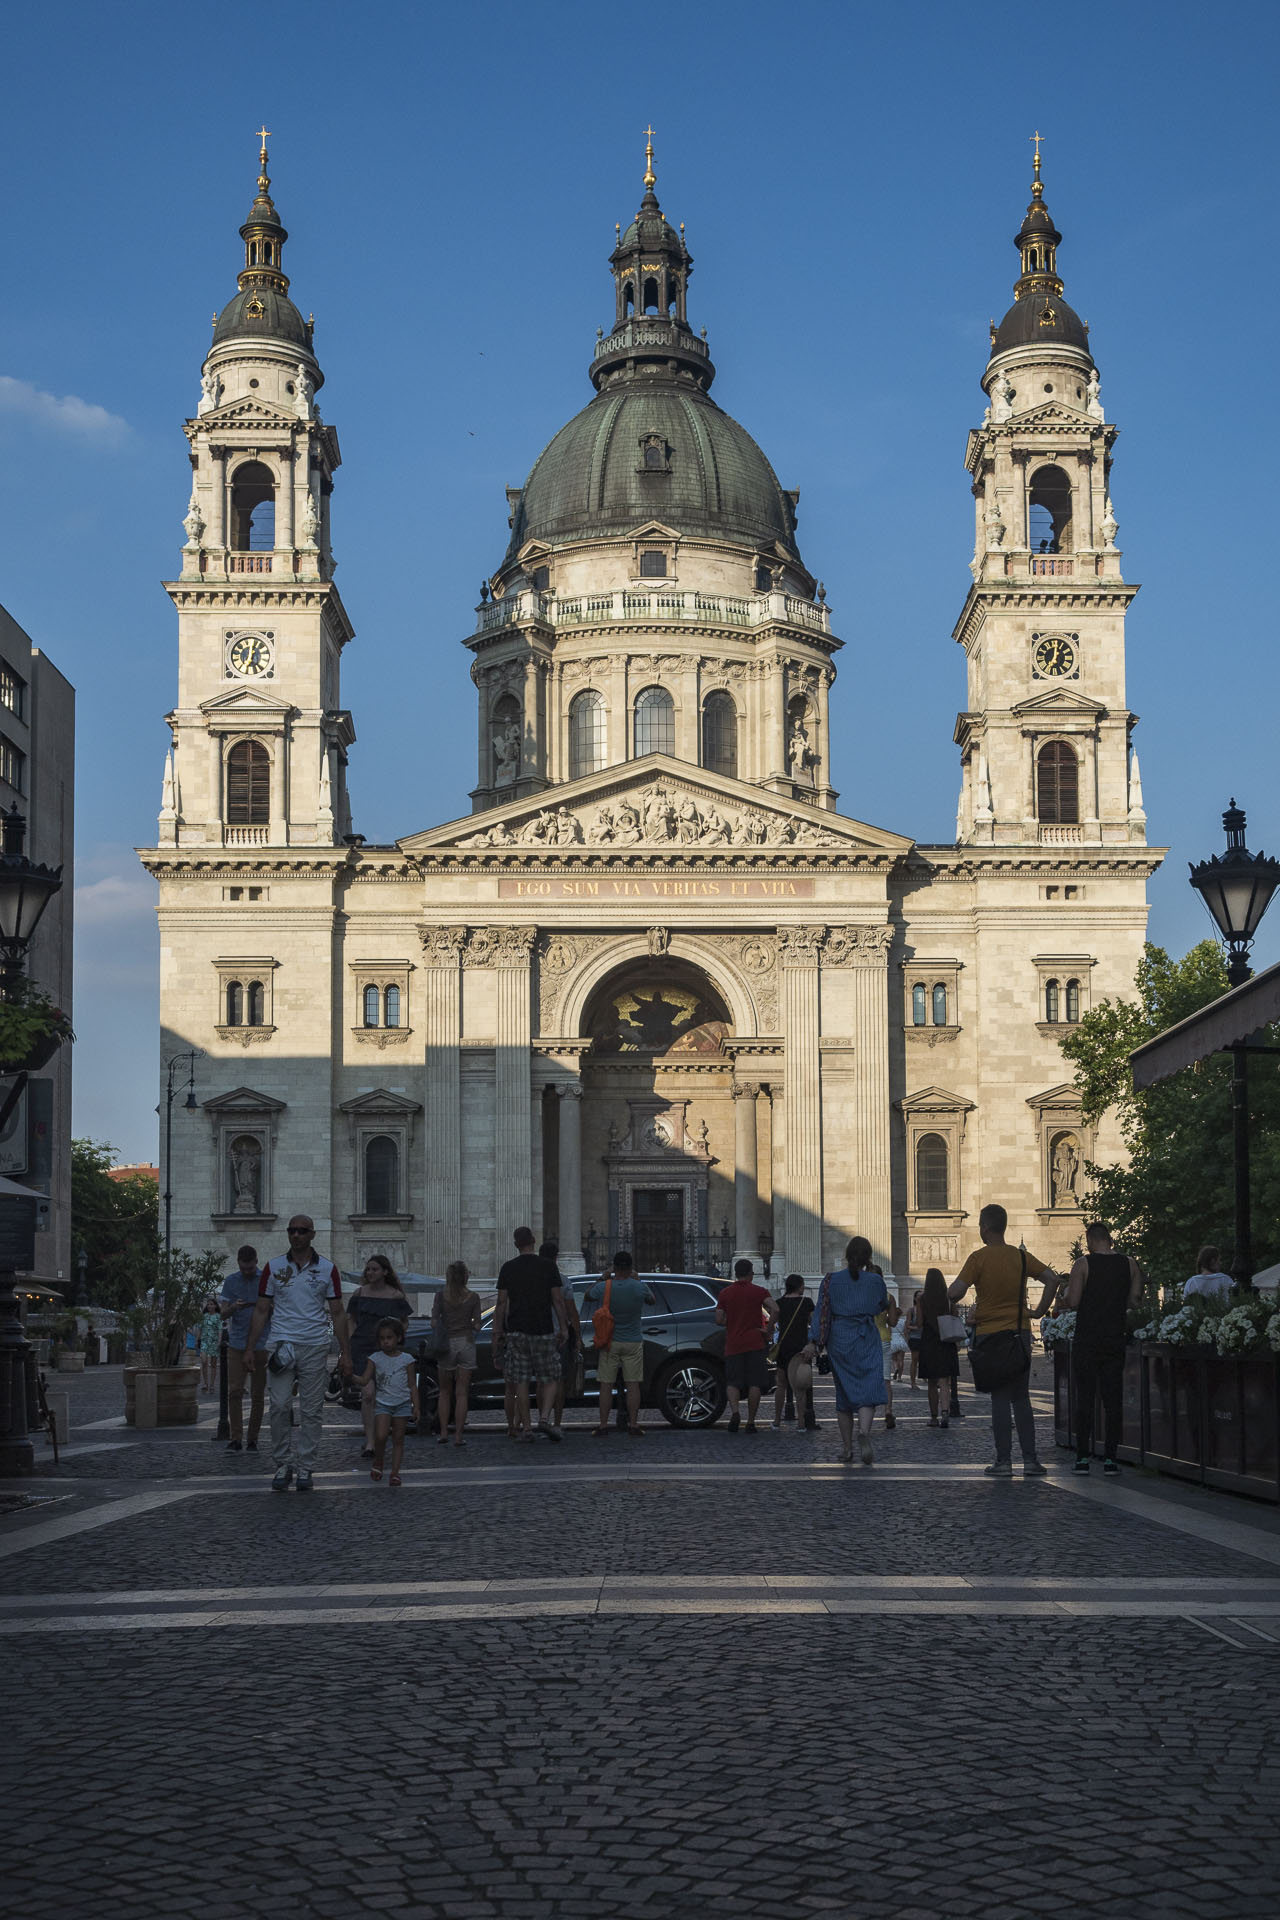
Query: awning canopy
pixel 1225 1022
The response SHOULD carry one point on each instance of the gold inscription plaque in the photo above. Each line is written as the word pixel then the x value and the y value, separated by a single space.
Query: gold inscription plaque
pixel 689 887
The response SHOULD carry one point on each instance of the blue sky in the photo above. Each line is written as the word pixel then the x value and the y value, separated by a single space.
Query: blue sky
pixel 851 178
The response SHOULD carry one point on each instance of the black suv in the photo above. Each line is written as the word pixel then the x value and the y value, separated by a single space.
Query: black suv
pixel 683 1352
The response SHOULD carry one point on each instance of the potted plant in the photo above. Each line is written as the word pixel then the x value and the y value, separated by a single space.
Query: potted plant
pixel 68 1345
pixel 32 1028
pixel 159 1324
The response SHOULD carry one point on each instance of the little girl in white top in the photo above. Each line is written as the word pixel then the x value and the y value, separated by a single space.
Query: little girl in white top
pixel 395 1396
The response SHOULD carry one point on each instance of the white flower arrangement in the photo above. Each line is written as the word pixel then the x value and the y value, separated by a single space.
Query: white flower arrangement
pixel 1273 1333
pixel 1056 1333
pixel 1237 1331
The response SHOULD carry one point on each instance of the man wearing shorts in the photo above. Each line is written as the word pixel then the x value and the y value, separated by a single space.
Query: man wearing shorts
pixel 628 1297
pixel 529 1330
pixel 747 1313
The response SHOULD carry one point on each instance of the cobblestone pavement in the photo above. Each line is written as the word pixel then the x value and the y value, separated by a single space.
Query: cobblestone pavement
pixel 696 1673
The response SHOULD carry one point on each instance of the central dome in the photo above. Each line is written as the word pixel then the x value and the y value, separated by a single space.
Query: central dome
pixel 654 450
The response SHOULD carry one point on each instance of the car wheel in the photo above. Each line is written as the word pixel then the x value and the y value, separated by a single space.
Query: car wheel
pixel 690 1393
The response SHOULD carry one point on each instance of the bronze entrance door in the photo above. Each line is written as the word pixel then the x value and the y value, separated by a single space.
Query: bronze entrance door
pixel 657 1215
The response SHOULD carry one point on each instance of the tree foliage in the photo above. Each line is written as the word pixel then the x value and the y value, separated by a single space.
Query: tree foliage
pixel 117 1224
pixel 1176 1192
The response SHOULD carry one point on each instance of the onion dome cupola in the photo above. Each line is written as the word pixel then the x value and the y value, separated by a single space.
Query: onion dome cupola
pixel 262 310
pixel 1039 316
pixel 652 446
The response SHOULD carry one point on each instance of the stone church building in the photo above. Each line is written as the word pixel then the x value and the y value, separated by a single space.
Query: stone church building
pixel 654 988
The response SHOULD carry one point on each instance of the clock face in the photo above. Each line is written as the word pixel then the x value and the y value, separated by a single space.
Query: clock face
pixel 1055 655
pixel 249 654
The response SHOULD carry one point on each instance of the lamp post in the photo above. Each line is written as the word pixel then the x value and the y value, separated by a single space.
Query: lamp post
pixel 765 1244
pixel 190 1055
pixel 1236 887
pixel 26 889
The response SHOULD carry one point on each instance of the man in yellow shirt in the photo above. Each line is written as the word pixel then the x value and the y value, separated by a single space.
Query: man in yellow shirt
pixel 996 1274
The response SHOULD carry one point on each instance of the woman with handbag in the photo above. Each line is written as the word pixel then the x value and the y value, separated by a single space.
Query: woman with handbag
pixel 455 1322
pixel 378 1297
pixel 848 1303
pixel 795 1309
pixel 940 1329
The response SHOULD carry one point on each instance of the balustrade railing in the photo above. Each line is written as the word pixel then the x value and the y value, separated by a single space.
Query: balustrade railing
pixel 245 836
pixel 1061 836
pixel 609 609
pixel 1052 564
pixel 249 563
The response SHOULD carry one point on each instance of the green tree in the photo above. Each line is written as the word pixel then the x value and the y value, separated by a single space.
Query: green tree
pixel 117 1224
pixel 1176 1191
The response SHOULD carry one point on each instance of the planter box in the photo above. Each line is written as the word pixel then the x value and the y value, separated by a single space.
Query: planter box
pixel 70 1363
pixel 177 1390
pixel 1193 1413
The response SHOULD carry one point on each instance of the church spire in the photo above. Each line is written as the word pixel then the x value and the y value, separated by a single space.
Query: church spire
pixel 1039 316
pixel 651 266
pixel 263 235
pixel 1037 241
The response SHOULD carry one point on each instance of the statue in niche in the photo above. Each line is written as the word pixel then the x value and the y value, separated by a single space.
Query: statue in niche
pixel 1001 400
pixel 210 392
pixel 798 750
pixel 1093 405
pixel 659 941
pixel 506 753
pixel 1064 1171
pixel 246 1174
pixel 302 392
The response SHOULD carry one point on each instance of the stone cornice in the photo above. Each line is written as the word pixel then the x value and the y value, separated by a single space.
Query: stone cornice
pixel 1060 596
pixel 945 863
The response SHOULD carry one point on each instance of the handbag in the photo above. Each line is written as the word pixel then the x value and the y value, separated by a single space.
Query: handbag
pixel 998 1359
pixel 439 1331
pixel 771 1351
pixel 950 1327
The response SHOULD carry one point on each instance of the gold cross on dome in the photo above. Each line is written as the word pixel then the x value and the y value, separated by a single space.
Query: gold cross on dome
pixel 650 177
pixel 264 134
pixel 1037 137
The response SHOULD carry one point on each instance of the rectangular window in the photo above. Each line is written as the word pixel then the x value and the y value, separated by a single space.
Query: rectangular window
pixel 235 893
pixel 13 691
pixel 13 765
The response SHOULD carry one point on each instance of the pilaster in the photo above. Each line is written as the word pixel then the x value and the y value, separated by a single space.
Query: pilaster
pixel 798 949
pixel 442 1020
pixel 512 962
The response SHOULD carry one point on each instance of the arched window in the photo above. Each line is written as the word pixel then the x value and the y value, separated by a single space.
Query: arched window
pixel 1057 784
pixel 931 1173
pixel 586 733
pixel 1073 1002
pixel 391 1007
pixel 1051 1002
pixel 655 722
pixel 651 296
pixel 372 1004
pixel 653 565
pixel 1049 511
pixel 720 735
pixel 628 297
pixel 656 464
pixel 919 1005
pixel 542 578
pixel 255 1001
pixel 939 1005
pixel 248 784
pixel 253 508
pixel 235 1004
pixel 764 578
pixel 382 1175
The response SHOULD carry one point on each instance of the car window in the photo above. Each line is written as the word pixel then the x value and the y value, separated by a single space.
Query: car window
pixel 685 1296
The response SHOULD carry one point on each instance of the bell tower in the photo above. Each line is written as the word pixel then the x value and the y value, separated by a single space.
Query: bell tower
pixel 1045 741
pixel 260 737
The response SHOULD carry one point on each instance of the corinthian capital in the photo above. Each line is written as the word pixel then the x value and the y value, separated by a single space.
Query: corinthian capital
pixel 441 946
pixel 513 946
pixel 800 946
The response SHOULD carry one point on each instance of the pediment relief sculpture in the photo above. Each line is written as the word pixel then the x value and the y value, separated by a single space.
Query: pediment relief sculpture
pixel 657 815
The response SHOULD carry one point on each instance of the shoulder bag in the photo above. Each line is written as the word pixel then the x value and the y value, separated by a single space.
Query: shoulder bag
pixel 822 1314
pixel 439 1329
pixel 602 1320
pixel 772 1350
pixel 998 1359
pixel 950 1327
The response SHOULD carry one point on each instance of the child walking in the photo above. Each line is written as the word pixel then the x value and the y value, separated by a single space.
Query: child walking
pixel 394 1374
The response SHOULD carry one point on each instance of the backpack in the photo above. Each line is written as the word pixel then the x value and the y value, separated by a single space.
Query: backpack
pixel 602 1320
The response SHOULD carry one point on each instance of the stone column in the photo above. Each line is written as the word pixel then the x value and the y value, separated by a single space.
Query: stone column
pixel 871 1183
pixel 745 1171
pixel 218 504
pixel 288 500
pixel 279 836
pixel 442 1143
pixel 775 755
pixel 801 1177
pixel 513 1150
pixel 569 1226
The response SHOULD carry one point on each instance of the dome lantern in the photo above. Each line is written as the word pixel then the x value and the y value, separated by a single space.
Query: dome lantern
pixel 1039 315
pixel 262 309
pixel 651 266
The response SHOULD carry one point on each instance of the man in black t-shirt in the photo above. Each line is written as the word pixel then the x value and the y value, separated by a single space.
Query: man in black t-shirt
pixel 1101 1287
pixel 529 1330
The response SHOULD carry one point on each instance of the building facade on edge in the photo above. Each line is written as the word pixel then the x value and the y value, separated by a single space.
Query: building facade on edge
pixel 655 987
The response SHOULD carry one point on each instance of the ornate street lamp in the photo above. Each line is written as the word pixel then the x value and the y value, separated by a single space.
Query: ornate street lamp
pixel 26 889
pixel 765 1244
pixel 1237 886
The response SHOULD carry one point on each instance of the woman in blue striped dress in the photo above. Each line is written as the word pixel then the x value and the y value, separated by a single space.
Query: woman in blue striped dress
pixel 845 1324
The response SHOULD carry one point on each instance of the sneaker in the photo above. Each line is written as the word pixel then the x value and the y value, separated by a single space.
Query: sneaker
pixel 999 1470
pixel 864 1449
pixel 735 1421
pixel 775 1426
pixel 1111 1467
pixel 552 1433
pixel 1034 1470
pixel 235 1446
pixel 1081 1465
pixel 283 1476
pixel 304 1480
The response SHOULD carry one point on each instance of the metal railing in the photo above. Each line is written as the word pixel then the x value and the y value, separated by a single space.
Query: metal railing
pixel 709 1254
pixel 616 609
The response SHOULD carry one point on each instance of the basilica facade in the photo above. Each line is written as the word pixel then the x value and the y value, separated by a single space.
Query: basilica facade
pixel 655 988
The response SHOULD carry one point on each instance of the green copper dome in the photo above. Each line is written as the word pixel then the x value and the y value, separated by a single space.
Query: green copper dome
pixel 653 449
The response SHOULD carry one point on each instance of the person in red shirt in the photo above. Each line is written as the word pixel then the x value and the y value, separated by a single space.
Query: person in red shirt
pixel 747 1313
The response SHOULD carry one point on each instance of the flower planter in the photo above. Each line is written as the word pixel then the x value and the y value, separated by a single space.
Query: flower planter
pixel 37 1055
pixel 177 1391
pixel 70 1363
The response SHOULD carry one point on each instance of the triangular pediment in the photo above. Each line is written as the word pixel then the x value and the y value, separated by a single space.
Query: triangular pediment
pixel 247 701
pixel 1065 1095
pixel 243 1100
pixel 1059 700
pixel 251 413
pixel 1054 414
pixel 380 1101
pixel 654 530
pixel 935 1100
pixel 657 804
